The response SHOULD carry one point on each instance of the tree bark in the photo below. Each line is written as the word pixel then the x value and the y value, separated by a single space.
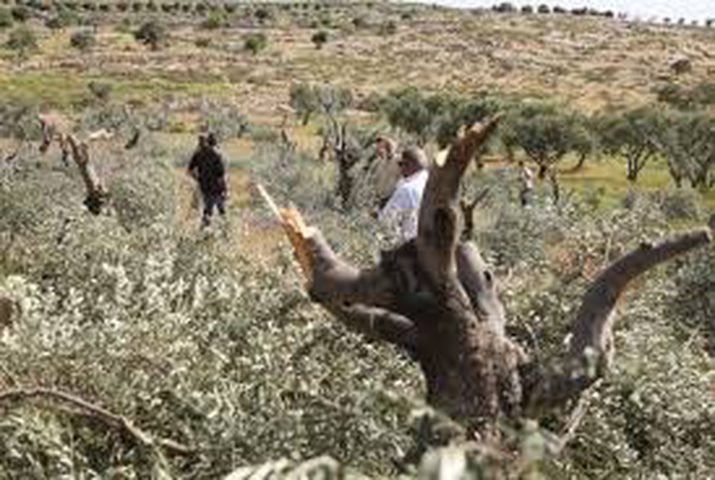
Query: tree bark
pixel 96 191
pixel 435 297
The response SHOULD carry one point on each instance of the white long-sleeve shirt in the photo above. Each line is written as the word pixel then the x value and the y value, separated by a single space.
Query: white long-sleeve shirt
pixel 401 213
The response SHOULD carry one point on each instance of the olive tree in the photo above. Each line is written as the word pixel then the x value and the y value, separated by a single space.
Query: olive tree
pixel 436 299
pixel 23 41
pixel 688 144
pixel 633 135
pixel 152 33
pixel 436 116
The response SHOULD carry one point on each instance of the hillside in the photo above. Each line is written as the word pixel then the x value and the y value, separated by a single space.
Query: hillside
pixel 592 62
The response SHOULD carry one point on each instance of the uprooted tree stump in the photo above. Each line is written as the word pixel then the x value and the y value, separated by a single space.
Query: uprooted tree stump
pixel 436 298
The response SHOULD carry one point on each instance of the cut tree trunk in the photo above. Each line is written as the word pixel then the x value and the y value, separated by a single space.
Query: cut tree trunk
pixel 96 192
pixel 436 298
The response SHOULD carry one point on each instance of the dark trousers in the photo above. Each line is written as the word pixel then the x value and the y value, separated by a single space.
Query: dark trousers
pixel 212 200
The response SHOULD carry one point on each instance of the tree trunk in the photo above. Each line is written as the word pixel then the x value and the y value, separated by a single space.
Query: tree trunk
pixel 581 162
pixel 436 298
pixel 96 191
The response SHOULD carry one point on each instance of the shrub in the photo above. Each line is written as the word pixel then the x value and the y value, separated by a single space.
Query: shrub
pixel 224 120
pixel 62 19
pixel 359 22
pixel 527 9
pixel 255 42
pixel 202 42
pixel 319 38
pixel 152 33
pixel 262 14
pixel 388 28
pixel 100 90
pixel 20 13
pixel 215 20
pixel 22 40
pixel 681 204
pixel 83 40
pixel 543 8
pixel 6 18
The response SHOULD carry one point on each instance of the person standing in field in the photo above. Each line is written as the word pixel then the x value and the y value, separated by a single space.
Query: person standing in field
pixel 208 169
pixel 526 191
pixel 401 212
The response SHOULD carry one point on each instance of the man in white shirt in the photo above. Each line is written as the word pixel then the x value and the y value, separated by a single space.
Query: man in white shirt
pixel 401 212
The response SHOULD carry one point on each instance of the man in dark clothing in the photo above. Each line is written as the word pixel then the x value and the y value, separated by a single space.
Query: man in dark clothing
pixel 207 167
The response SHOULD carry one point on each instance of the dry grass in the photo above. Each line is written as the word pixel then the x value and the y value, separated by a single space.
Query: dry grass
pixel 591 62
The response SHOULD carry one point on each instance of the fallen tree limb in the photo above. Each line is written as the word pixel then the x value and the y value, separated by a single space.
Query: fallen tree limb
pixel 591 345
pixel 96 412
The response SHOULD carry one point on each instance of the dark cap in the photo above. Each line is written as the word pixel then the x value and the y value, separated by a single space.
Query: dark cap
pixel 416 156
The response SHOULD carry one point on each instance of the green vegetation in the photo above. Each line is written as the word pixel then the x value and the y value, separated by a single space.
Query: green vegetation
pixel 20 13
pixel 133 345
pixel 6 18
pixel 22 40
pixel 309 99
pixel 83 40
pixel 216 19
pixel 152 33
pixel 319 39
pixel 255 42
pixel 633 135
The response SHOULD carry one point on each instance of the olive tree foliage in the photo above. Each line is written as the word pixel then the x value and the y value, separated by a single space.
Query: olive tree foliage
pixel 437 116
pixel 152 33
pixel 23 41
pixel 218 357
pixel 19 121
pixel 225 120
pixel 215 360
pixel 546 132
pixel 686 98
pixel 307 100
pixel 632 134
pixel 339 145
pixel 688 145
pixel 435 298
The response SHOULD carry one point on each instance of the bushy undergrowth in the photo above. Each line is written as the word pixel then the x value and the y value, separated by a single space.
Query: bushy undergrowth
pixel 194 342
pixel 185 338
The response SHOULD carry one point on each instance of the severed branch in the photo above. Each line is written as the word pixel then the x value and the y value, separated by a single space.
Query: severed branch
pixel 96 191
pixel 96 412
pixel 590 345
pixel 440 222
pixel 467 209
pixel 362 299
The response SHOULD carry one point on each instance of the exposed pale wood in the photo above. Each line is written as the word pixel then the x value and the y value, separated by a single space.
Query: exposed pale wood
pixel 96 191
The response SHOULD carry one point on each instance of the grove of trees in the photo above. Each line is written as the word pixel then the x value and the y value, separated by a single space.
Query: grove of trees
pixel 558 339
